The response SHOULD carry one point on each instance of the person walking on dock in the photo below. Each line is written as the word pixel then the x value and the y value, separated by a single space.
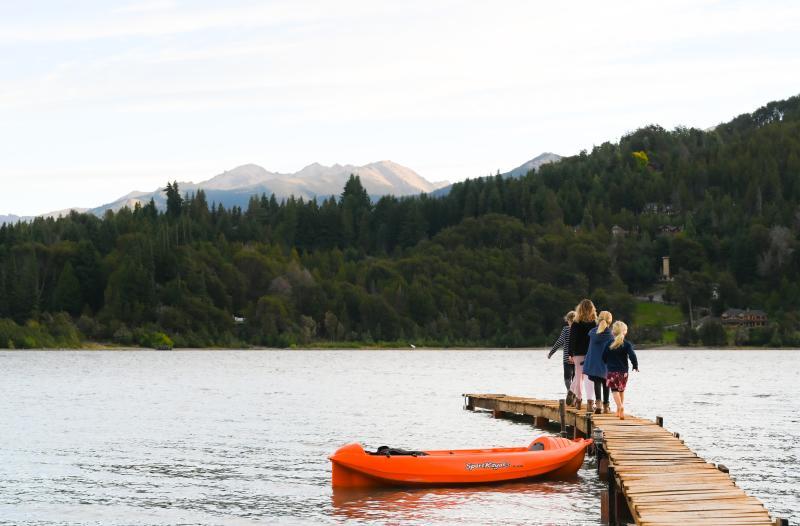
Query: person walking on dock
pixel 616 355
pixel 585 320
pixel 594 367
pixel 563 343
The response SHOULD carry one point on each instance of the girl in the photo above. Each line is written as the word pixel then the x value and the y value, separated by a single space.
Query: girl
pixel 616 356
pixel 563 341
pixel 594 367
pixel 585 320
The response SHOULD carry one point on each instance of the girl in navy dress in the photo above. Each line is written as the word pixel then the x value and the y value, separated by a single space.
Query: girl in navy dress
pixel 616 356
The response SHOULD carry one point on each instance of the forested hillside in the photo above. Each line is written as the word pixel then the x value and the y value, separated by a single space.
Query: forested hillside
pixel 496 262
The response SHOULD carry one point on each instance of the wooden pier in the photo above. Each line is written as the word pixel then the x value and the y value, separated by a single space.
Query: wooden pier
pixel 653 478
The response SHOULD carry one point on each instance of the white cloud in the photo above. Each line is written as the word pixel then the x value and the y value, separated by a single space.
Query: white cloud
pixel 438 86
pixel 146 6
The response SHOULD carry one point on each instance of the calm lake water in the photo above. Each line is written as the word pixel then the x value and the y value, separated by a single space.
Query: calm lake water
pixel 242 437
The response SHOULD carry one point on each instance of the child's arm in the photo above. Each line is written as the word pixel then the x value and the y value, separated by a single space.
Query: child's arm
pixel 632 357
pixel 559 342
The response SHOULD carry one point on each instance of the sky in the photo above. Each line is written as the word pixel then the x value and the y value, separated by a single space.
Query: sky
pixel 99 98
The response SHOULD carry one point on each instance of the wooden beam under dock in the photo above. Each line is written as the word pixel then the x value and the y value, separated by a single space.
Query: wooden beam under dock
pixel 653 478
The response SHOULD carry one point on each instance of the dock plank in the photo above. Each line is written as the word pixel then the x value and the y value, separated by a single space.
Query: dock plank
pixel 662 481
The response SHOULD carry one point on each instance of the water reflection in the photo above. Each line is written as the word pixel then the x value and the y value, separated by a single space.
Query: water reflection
pixel 244 437
pixel 421 504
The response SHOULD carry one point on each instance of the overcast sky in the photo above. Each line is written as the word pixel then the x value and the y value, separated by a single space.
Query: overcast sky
pixel 99 98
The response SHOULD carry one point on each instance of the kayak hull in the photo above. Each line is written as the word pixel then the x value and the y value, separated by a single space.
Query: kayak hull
pixel 557 457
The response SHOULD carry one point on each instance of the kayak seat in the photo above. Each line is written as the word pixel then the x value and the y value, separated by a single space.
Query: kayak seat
pixel 396 451
pixel 536 446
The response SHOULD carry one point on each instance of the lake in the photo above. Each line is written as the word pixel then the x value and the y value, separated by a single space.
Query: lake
pixel 242 437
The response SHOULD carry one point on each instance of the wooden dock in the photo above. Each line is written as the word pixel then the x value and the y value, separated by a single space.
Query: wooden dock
pixel 653 478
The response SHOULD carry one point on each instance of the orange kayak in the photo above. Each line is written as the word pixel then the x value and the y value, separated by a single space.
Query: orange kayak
pixel 353 467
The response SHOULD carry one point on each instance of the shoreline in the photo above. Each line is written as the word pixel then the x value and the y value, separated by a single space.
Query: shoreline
pixel 644 348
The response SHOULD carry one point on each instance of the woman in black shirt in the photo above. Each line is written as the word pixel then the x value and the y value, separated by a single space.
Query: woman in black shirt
pixel 585 320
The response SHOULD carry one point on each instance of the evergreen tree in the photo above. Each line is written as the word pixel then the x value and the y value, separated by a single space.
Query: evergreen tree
pixel 67 294
pixel 174 200
pixel 495 262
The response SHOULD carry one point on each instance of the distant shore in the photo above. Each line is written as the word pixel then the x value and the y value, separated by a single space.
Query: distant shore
pixel 643 348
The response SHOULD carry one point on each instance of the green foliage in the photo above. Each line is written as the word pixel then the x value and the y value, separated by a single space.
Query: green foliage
pixel 496 262
pixel 641 158
pixel 686 336
pixel 657 314
pixel 53 332
pixel 174 200
pixel 713 334
pixel 760 336
pixel 669 337
pixel 646 333
pixel 67 292
pixel 157 340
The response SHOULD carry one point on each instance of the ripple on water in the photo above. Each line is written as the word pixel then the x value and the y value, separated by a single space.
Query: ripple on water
pixel 243 437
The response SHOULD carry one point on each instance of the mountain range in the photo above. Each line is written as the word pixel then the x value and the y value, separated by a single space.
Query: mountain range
pixel 235 187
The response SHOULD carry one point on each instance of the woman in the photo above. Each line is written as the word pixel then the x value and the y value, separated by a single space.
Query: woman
pixel 593 366
pixel 585 320
pixel 563 342
pixel 616 356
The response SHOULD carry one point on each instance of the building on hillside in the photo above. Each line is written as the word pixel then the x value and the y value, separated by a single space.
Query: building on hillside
pixel 670 229
pixel 745 318
pixel 659 208
pixel 617 231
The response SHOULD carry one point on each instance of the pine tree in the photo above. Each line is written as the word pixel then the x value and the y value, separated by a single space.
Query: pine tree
pixel 174 200
pixel 67 294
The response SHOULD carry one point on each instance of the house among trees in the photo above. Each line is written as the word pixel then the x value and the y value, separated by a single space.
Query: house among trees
pixel 670 229
pixel 617 230
pixel 659 208
pixel 745 318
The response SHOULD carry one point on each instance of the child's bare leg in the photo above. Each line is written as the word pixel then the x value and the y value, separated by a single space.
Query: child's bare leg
pixel 617 402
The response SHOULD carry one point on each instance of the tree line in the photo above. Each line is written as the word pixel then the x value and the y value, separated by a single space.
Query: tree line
pixel 495 262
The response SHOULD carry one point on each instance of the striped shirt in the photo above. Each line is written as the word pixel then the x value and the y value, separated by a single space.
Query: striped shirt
pixel 563 342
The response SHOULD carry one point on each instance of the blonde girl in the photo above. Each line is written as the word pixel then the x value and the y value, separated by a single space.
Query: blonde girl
pixel 585 320
pixel 616 356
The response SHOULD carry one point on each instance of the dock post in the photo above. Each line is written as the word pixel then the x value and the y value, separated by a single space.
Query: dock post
pixel 602 463
pixel 496 413
pixel 600 453
pixel 588 425
pixel 469 405
pixel 660 421
pixel 604 500
pixel 562 416
pixel 723 468
pixel 781 522
pixel 540 421
pixel 612 496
